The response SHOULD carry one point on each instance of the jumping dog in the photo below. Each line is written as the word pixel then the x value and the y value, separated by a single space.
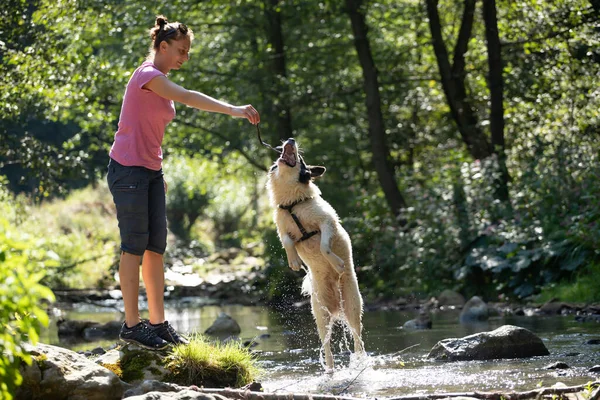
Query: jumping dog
pixel 311 234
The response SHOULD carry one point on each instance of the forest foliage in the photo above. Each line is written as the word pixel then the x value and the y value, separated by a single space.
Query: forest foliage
pixel 460 137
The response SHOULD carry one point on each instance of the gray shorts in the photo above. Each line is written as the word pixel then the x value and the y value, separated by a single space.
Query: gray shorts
pixel 139 195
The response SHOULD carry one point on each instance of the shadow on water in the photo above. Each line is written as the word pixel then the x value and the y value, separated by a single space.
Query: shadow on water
pixel 288 350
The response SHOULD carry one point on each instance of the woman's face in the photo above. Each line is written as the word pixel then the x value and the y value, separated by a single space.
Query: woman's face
pixel 177 52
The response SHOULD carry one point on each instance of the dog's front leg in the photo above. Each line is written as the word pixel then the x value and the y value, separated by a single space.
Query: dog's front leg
pixel 294 260
pixel 326 236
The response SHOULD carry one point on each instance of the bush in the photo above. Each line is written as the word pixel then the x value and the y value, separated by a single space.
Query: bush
pixel 231 212
pixel 21 314
pixel 188 193
pixel 225 195
pixel 81 233
pixel 454 239
pixel 582 288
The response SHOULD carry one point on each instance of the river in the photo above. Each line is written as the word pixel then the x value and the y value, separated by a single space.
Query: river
pixel 288 351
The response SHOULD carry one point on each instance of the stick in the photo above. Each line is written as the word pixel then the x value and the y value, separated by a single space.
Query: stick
pixel 537 393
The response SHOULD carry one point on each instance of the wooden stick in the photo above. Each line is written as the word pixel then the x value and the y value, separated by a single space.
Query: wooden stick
pixel 536 393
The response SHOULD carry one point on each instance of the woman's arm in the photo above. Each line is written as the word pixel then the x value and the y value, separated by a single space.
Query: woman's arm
pixel 172 91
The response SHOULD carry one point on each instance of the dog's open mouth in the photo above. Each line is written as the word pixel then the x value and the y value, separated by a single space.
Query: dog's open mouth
pixel 288 156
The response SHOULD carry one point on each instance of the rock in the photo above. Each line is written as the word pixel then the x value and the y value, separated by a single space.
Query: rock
pixel 557 365
pixel 224 325
pixel 508 341
pixel 58 373
pixel 593 341
pixel 474 310
pixel 554 307
pixel 519 312
pixel 423 321
pixel 253 387
pixel 450 298
pixel 595 368
pixel 250 343
pixel 401 302
pixel 134 364
pixel 110 330
pixel 88 330
pixel 98 351
pixel 189 366
pixel 588 318
pixel 73 327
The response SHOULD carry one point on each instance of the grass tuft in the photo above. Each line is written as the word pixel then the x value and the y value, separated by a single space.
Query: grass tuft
pixel 202 363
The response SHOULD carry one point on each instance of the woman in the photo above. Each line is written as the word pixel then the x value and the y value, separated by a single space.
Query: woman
pixel 135 177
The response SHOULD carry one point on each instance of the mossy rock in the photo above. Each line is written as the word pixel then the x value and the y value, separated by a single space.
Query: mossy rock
pixel 133 364
pixel 200 363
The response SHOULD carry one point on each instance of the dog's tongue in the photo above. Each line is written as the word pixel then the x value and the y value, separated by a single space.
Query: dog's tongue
pixel 288 155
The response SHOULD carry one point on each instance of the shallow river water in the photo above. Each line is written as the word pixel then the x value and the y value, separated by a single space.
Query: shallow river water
pixel 289 351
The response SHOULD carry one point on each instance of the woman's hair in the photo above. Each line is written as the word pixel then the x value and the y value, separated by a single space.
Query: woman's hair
pixel 165 31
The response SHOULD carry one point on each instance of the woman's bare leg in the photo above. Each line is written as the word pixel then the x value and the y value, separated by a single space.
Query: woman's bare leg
pixel 129 278
pixel 154 279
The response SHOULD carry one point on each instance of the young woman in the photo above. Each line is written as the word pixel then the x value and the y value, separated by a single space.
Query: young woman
pixel 135 177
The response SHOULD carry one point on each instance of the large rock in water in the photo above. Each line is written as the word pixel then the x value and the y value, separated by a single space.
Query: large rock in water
pixel 474 310
pixel 450 298
pixel 58 373
pixel 508 341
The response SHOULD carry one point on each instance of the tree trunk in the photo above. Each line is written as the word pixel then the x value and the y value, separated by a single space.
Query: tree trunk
pixel 381 154
pixel 281 107
pixel 453 78
pixel 496 85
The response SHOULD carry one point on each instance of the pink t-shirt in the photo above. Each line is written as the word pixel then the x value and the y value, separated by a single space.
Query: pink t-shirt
pixel 144 117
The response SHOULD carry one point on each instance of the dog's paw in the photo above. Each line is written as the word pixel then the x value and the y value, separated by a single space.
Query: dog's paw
pixel 295 263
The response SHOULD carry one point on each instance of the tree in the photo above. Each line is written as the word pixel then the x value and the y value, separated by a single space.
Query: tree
pixel 453 78
pixel 381 154
pixel 454 84
pixel 279 90
pixel 496 86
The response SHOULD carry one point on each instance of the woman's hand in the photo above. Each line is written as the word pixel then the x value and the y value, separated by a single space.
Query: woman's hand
pixel 247 112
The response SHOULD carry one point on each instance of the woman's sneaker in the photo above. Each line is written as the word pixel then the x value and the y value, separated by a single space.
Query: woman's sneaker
pixel 166 332
pixel 142 336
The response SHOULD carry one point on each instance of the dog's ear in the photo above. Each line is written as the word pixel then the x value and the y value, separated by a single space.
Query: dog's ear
pixel 316 171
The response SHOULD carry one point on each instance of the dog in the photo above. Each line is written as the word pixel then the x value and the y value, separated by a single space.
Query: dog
pixel 311 234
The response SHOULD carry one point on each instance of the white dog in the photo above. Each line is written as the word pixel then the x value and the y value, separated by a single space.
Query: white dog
pixel 310 232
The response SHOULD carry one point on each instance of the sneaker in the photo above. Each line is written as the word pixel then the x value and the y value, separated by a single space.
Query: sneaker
pixel 142 336
pixel 166 332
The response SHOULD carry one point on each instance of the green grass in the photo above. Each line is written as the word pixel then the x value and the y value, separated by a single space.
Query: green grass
pixel 582 289
pixel 208 364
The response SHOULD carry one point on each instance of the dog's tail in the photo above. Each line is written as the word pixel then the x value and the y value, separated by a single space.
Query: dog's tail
pixel 307 283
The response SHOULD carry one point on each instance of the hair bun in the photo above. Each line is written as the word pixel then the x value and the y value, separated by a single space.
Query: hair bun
pixel 161 20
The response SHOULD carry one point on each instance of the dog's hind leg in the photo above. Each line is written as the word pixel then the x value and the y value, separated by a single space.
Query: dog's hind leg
pixel 326 236
pixel 353 312
pixel 323 318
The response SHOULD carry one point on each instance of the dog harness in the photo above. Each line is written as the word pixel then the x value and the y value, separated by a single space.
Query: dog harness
pixel 305 235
